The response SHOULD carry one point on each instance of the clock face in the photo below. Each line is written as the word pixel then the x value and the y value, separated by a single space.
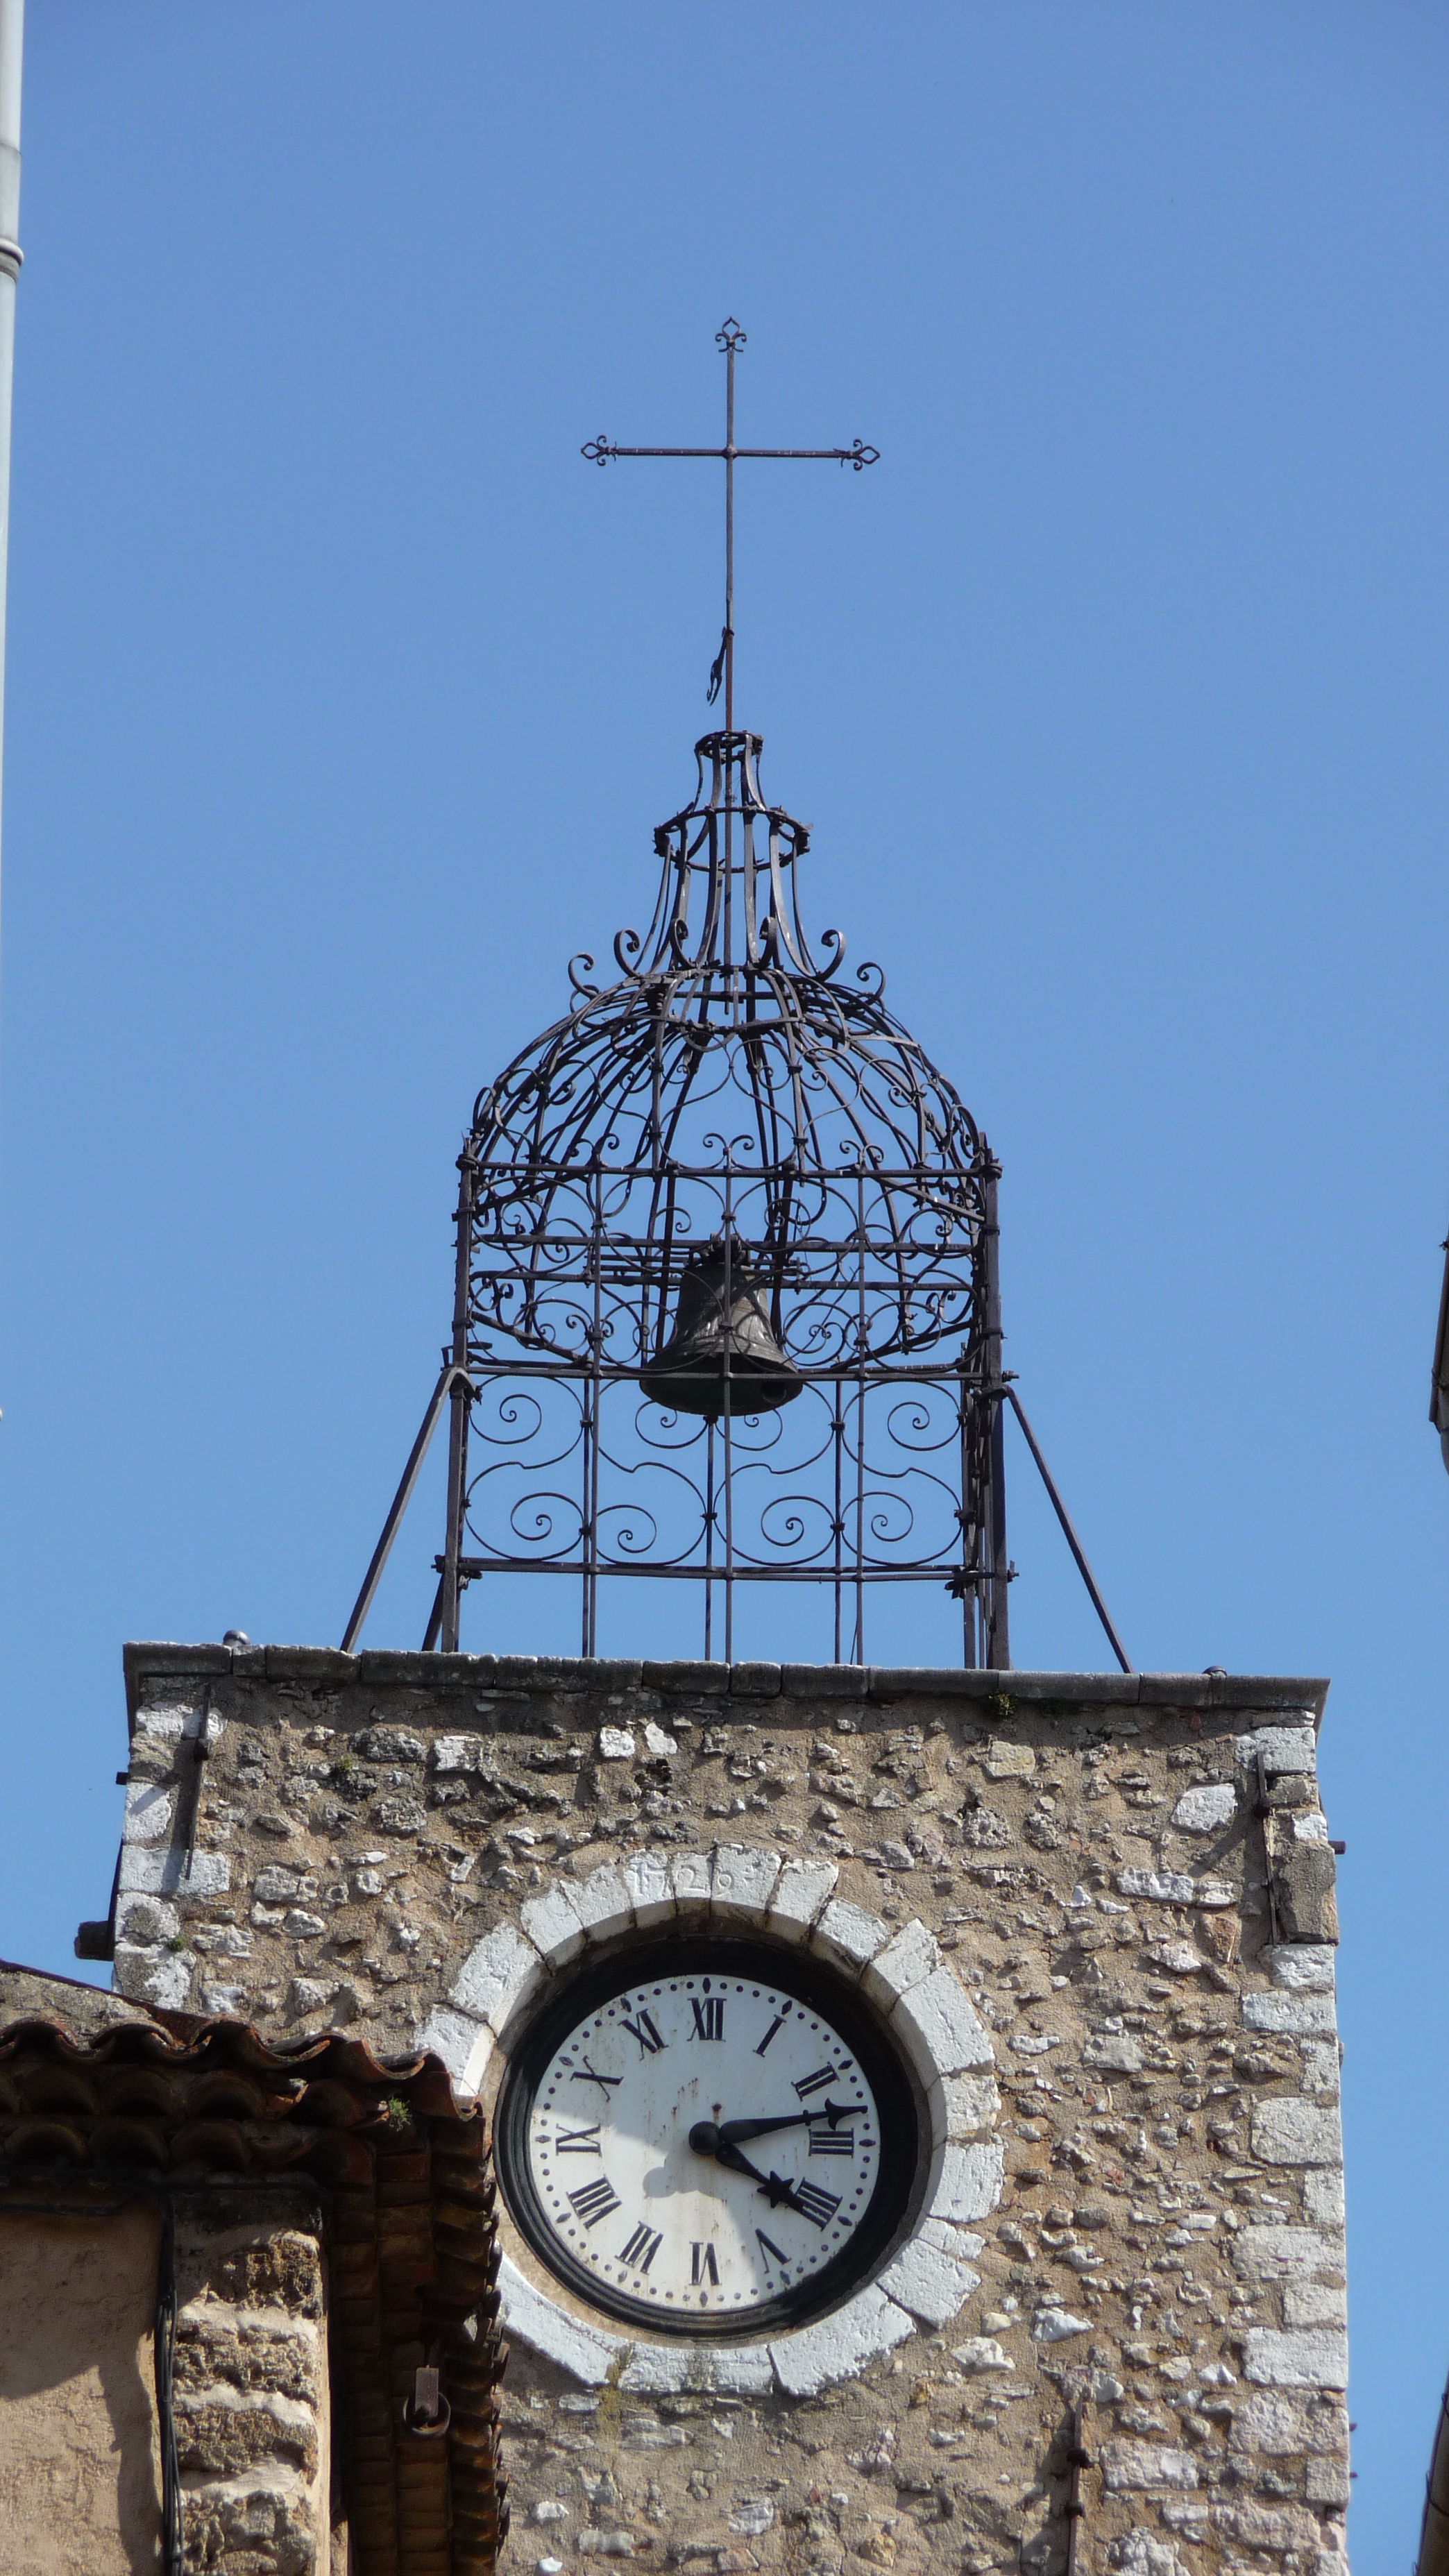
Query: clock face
pixel 707 2137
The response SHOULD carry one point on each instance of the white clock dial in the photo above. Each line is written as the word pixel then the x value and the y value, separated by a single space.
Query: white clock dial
pixel 702 2143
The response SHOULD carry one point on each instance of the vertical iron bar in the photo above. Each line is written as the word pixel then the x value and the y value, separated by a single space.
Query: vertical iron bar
pixel 968 1590
pixel 839 1447
pixel 998 1635
pixel 462 1403
pixel 594 1400
pixel 858 1656
pixel 729 633
pixel 708 1542
pixel 729 1491
pixel 1077 2460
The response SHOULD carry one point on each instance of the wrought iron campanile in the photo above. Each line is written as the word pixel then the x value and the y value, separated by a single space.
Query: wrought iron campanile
pixel 727 1305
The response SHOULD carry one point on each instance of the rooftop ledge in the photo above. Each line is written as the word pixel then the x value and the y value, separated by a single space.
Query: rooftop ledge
pixel 323 1667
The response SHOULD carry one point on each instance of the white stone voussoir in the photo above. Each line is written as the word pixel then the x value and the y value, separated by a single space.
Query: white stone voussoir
pixel 646 1875
pixel 801 1890
pixel 501 1974
pixel 464 2045
pixel 837 2346
pixel 930 2275
pixel 905 1962
pixel 603 1902
pixel 965 2181
pixel 741 1884
pixel 691 1875
pixel 552 1924
pixel 938 2029
pixel 848 1936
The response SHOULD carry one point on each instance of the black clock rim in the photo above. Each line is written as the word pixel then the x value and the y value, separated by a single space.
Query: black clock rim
pixel 810 1981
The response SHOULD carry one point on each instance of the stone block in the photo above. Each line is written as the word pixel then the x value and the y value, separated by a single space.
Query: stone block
pixel 801 1890
pixel 1300 1968
pixel 647 1877
pixel 755 1681
pixel 160 1977
pixel 1144 2553
pixel 277 1886
pixel 145 1919
pixel 742 1884
pixel 603 1903
pixel 169 1873
pixel 501 1974
pixel 1276 2528
pixel 837 2346
pixel 454 1753
pixel 1056 2324
pixel 1207 1809
pixel 847 1936
pixel 1327 2482
pixel 1116 2052
pixel 1173 1887
pixel 691 1875
pixel 657 2369
pixel 1005 1760
pixel 1314 2303
pixel 552 1924
pixel 1302 2357
pixel 1303 1887
pixel 1320 2068
pixel 1284 1748
pixel 1138 2467
pixel 1292 2016
pixel 981 2353
pixel 1323 2197
pixel 615 1744
pixel 149 1805
pixel 1287 2131
pixel 965 2181
pixel 930 2275
pixel 960 2105
pixel 913 1954
pixel 939 2030
pixel 464 2045
pixel 1278 2425
pixel 1283 2253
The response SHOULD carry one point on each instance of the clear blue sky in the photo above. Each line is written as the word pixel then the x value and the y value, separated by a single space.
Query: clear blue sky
pixel 343 698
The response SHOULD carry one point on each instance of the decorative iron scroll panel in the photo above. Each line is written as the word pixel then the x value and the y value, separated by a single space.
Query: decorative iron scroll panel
pixel 727 1096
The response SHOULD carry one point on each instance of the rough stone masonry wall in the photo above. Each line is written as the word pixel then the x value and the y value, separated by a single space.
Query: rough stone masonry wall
pixel 1131 1877
pixel 251 2387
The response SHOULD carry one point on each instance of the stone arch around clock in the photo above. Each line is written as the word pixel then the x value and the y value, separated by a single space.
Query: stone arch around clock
pixel 898 1968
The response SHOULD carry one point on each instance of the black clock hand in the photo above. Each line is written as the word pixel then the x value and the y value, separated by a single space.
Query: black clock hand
pixel 734 2131
pixel 707 2140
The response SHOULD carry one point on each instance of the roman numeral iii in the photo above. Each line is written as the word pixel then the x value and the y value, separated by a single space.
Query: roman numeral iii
pixel 594 2200
pixel 641 2249
pixel 708 2017
pixel 703 2266
pixel 826 2141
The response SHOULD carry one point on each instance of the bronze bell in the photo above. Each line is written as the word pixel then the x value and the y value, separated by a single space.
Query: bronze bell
pixel 689 1374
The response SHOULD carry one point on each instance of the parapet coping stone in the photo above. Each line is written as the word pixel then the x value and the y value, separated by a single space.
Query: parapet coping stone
pixel 324 1667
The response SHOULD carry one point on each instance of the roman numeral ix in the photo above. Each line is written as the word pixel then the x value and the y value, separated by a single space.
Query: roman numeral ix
pixel 708 2017
pixel 594 2200
pixel 583 2142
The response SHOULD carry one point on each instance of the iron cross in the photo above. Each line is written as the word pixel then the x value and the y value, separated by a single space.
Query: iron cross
pixel 731 339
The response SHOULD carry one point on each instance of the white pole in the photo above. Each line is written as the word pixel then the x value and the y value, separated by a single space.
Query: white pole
pixel 12 34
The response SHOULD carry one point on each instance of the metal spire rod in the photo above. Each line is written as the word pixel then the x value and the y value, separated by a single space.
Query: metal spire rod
pixel 730 338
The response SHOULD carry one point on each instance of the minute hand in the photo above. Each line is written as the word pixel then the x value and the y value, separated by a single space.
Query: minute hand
pixel 734 2132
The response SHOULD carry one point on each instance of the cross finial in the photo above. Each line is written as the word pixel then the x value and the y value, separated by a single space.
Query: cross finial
pixel 731 339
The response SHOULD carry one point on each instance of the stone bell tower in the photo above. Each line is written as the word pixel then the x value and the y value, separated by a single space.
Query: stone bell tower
pixel 913 2090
